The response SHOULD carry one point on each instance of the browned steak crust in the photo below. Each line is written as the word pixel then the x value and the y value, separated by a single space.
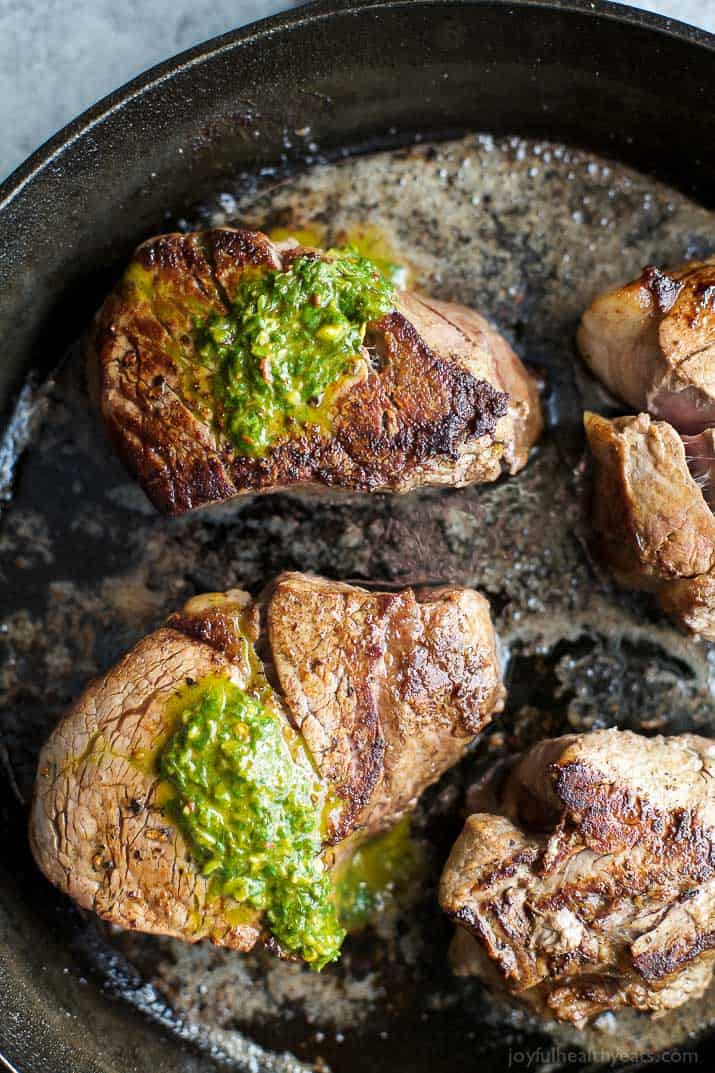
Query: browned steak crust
pixel 593 888
pixel 444 405
pixel 652 526
pixel 652 342
pixel 388 690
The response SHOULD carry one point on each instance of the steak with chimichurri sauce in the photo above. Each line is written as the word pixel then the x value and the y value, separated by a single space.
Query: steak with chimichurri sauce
pixel 207 785
pixel 225 363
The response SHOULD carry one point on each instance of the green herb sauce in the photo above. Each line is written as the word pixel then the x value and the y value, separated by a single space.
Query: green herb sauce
pixel 370 241
pixel 380 874
pixel 245 795
pixel 290 338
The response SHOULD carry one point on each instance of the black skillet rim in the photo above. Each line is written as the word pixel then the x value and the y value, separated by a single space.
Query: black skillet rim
pixel 63 141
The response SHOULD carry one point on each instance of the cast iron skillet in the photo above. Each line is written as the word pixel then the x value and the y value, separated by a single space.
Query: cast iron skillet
pixel 360 75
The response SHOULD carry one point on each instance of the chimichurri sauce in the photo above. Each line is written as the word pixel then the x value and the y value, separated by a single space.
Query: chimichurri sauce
pixel 250 805
pixel 289 339
pixel 380 874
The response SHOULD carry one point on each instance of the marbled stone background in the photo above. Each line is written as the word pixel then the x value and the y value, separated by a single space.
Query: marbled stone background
pixel 59 56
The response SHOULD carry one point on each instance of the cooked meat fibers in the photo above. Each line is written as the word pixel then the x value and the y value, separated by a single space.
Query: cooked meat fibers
pixel 652 342
pixel 386 690
pixel 433 395
pixel 651 523
pixel 589 885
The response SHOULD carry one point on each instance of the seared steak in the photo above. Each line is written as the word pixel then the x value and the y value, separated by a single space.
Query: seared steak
pixel 590 883
pixel 652 343
pixel 386 689
pixel 435 396
pixel 652 525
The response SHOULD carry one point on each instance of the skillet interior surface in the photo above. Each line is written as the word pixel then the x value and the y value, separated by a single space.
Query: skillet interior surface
pixel 527 231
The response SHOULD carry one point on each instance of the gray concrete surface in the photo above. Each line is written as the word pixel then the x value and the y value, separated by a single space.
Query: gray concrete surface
pixel 59 56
